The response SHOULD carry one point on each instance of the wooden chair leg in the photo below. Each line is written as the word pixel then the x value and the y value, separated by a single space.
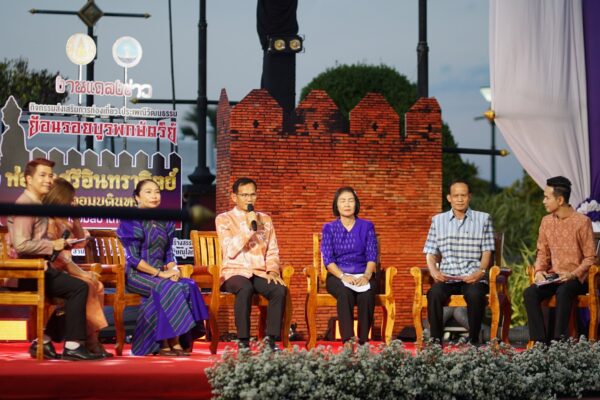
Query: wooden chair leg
pixel 214 333
pixel 417 321
pixel 389 316
pixel 119 309
pixel 593 329
pixel 530 344
pixel 213 313
pixel 495 308
pixel 311 324
pixel 40 332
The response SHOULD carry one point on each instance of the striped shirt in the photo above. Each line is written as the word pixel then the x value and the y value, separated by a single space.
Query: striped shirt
pixel 460 243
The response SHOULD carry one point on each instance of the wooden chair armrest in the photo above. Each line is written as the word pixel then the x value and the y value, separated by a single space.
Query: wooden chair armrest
pixel 530 273
pixel 23 263
pixel 417 274
pixel 287 273
pixel 389 273
pixel 216 278
pixel 311 279
pixel 593 281
pixel 186 270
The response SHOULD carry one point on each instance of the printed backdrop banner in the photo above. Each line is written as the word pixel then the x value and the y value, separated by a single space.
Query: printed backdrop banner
pixel 104 179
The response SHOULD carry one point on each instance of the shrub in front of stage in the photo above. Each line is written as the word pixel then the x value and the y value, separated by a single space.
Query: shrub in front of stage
pixel 392 372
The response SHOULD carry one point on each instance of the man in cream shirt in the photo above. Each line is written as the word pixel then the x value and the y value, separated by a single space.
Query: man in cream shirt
pixel 250 262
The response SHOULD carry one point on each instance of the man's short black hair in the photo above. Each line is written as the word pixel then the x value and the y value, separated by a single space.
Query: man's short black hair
pixel 338 193
pixel 243 182
pixel 561 186
pixel 455 181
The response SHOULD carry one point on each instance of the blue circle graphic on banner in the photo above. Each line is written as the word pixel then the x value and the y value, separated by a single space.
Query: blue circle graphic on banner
pixel 127 52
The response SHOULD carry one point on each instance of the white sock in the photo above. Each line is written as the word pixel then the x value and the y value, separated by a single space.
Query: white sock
pixel 71 345
pixel 46 339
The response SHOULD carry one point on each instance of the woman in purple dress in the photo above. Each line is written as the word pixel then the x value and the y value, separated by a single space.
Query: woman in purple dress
pixel 173 312
pixel 349 248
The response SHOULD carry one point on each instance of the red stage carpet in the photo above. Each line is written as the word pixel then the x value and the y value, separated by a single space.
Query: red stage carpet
pixel 128 377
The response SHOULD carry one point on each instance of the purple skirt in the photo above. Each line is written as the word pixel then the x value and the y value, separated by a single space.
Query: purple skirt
pixel 169 309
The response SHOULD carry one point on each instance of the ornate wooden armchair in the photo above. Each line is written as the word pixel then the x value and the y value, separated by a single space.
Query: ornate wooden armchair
pixel 589 301
pixel 498 298
pixel 105 254
pixel 206 271
pixel 315 277
pixel 20 269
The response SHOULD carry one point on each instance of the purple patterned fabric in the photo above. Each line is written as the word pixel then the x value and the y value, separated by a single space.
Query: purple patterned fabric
pixel 169 308
pixel 349 250
pixel 591 32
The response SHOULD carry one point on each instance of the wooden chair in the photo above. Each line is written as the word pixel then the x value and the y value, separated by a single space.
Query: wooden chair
pixel 498 299
pixel 105 254
pixel 24 269
pixel 207 272
pixel 589 301
pixel 315 277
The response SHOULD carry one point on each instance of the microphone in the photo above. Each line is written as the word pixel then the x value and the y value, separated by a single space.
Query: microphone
pixel 55 254
pixel 253 223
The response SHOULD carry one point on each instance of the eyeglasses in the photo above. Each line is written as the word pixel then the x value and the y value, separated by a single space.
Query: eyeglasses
pixel 246 196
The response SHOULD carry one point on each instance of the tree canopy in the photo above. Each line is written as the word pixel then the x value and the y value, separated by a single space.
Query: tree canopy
pixel 348 84
pixel 27 85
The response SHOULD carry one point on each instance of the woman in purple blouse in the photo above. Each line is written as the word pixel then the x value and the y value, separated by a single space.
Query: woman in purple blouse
pixel 349 248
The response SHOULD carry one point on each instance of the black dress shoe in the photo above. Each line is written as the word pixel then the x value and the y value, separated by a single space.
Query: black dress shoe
pixel 49 351
pixel 270 342
pixel 79 354
pixel 243 344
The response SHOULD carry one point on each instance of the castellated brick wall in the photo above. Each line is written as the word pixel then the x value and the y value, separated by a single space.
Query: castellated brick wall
pixel 298 169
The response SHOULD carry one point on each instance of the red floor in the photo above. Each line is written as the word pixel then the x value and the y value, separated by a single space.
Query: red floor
pixel 128 377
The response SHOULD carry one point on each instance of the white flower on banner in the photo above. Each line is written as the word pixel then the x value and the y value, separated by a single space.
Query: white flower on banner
pixel 591 207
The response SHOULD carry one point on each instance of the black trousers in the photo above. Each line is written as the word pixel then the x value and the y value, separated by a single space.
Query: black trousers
pixel 474 294
pixel 244 289
pixel 74 291
pixel 565 296
pixel 346 300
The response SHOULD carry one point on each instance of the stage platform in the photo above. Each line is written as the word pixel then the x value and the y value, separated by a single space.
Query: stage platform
pixel 127 377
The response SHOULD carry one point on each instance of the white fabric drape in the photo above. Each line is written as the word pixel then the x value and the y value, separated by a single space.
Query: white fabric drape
pixel 538 84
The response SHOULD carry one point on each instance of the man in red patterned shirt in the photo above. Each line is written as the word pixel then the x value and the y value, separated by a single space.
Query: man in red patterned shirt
pixel 565 248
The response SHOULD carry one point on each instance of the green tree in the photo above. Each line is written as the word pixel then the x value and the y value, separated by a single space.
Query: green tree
pixel 517 211
pixel 27 85
pixel 190 118
pixel 348 84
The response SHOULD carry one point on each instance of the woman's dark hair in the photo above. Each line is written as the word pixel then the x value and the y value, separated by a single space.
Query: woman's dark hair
pixel 140 185
pixel 338 193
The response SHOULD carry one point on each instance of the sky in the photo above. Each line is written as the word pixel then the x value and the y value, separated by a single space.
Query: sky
pixel 336 32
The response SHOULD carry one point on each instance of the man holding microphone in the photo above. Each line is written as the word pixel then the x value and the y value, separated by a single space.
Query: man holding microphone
pixel 250 262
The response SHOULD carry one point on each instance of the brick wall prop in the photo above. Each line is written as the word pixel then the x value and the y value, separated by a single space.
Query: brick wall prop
pixel 396 175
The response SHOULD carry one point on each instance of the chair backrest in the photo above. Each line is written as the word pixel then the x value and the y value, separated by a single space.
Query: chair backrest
pixel 207 249
pixel 104 247
pixel 499 246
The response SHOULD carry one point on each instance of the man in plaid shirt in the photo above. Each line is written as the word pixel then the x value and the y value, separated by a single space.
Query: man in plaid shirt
pixel 459 250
